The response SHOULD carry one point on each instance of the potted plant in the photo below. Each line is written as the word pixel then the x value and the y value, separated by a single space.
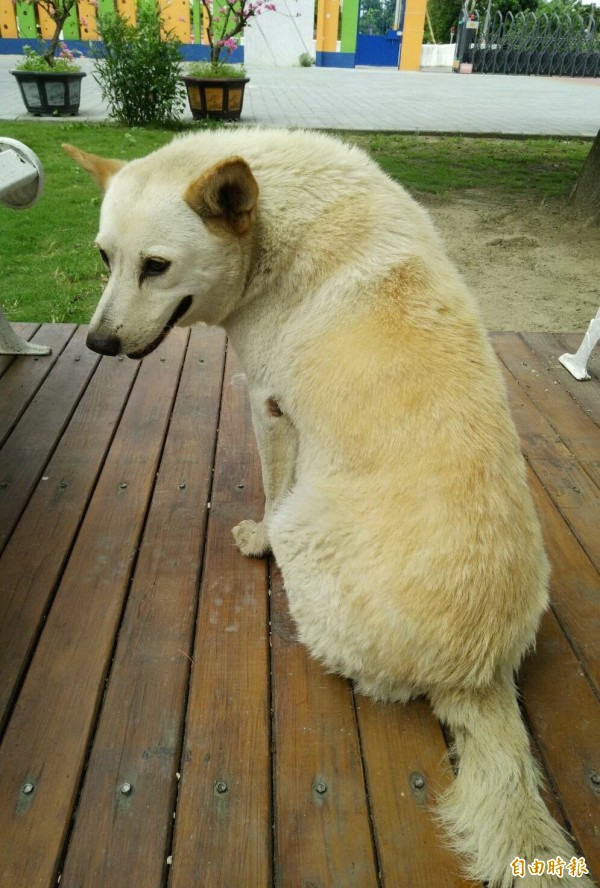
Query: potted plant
pixel 50 79
pixel 216 88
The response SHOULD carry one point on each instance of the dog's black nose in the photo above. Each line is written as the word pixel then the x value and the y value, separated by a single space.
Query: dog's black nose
pixel 104 345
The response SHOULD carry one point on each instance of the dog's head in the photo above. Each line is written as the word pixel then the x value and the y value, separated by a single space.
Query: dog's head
pixel 176 253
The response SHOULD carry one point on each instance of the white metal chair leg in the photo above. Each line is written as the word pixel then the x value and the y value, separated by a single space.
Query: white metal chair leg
pixel 577 364
pixel 11 344
pixel 21 183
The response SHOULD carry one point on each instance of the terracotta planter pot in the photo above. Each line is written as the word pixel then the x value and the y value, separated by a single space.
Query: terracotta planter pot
pixel 217 99
pixel 50 93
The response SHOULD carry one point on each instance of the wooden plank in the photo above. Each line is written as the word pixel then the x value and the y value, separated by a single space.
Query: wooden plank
pixel 564 715
pixel 27 450
pixel 25 331
pixel 580 433
pixel 548 347
pixel 106 7
pixel 20 383
pixel 561 706
pixel 197 12
pixel 26 19
pixel 47 737
pixel 71 28
pixel 205 26
pixel 223 825
pixel 151 667
pixel 322 829
pixel 577 498
pixel 575 584
pixel 32 562
pixel 569 485
pixel 560 474
pixel 48 26
pixel 548 791
pixel 401 745
pixel 176 18
pixel 8 19
pixel 88 19
pixel 538 439
pixel 127 9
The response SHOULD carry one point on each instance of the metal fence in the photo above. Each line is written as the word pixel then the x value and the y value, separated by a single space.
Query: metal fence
pixel 529 43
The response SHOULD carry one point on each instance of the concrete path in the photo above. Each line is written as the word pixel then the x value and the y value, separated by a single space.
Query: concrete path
pixel 386 99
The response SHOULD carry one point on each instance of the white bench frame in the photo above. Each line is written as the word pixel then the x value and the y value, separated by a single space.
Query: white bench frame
pixel 576 364
pixel 21 183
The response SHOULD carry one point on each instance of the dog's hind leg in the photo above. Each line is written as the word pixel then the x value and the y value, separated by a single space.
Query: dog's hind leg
pixel 277 446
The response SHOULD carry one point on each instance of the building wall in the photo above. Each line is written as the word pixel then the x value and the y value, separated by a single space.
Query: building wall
pixel 279 38
pixel 440 55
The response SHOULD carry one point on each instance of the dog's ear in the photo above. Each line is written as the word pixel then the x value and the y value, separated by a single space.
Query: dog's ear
pixel 227 192
pixel 101 168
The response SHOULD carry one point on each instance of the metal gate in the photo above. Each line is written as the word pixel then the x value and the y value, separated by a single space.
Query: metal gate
pixel 378 42
pixel 529 43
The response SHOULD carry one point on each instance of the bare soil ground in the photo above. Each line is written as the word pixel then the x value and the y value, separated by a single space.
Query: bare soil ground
pixel 532 267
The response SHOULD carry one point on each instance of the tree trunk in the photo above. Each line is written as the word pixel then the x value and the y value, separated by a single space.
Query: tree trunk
pixel 51 51
pixel 586 194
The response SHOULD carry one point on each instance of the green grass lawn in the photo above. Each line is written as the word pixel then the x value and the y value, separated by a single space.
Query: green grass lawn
pixel 51 271
pixel 544 168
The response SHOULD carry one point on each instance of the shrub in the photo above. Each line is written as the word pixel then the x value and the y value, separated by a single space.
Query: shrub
pixel 216 70
pixel 38 60
pixel 138 72
pixel 305 60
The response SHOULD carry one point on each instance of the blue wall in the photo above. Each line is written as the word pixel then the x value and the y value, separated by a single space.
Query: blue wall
pixel 335 60
pixel 190 52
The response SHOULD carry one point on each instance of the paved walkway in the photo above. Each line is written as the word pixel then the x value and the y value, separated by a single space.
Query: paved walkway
pixel 385 99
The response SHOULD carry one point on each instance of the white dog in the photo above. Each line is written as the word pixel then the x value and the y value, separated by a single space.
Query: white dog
pixel 397 503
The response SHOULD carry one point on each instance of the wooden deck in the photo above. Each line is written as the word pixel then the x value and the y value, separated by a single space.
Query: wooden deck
pixel 160 724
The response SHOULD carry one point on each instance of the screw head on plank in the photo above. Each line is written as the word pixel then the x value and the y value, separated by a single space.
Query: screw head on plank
pixel 417 781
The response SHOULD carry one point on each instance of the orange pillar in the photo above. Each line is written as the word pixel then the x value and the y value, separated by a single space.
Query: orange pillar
pixel 412 35
pixel 328 16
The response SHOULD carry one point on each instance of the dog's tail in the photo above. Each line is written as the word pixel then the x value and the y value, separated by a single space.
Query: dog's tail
pixel 493 813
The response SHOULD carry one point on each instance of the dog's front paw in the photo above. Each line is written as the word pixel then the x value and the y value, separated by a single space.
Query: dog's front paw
pixel 251 539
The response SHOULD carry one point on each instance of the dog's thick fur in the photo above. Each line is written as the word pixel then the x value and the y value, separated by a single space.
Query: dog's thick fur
pixel 397 503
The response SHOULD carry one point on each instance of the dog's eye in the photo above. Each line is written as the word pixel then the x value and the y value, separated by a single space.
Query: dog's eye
pixel 154 267
pixel 105 259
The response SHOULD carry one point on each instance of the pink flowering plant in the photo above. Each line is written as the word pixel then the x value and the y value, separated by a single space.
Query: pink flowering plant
pixel 53 55
pixel 223 24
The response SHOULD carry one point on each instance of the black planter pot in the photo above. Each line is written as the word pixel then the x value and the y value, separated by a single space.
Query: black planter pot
pixel 217 99
pixel 50 93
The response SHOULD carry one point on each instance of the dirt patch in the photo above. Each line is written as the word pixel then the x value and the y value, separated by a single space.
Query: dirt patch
pixel 531 267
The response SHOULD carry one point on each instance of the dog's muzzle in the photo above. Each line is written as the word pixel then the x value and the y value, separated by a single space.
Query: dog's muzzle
pixel 111 345
pixel 176 316
pixel 103 345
